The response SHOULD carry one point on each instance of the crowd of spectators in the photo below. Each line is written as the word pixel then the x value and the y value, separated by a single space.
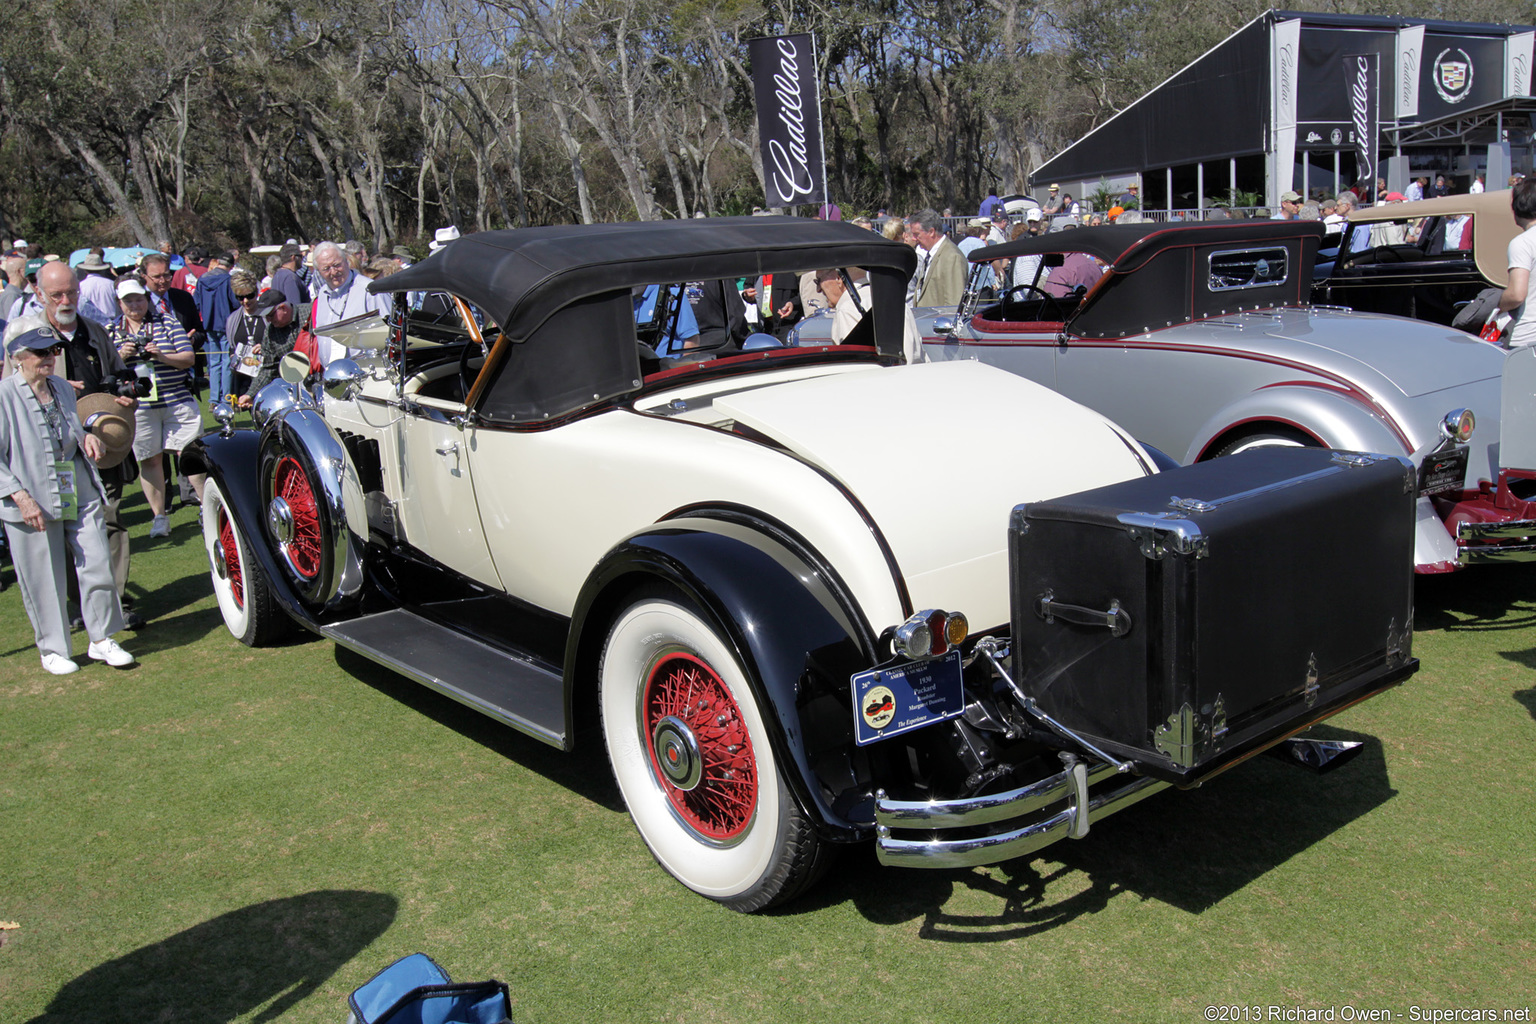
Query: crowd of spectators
pixel 95 345
pixel 103 379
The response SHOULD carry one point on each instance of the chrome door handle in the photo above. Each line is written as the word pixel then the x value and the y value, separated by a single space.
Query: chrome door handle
pixel 452 449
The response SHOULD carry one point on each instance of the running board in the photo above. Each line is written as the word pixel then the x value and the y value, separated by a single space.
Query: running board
pixel 511 689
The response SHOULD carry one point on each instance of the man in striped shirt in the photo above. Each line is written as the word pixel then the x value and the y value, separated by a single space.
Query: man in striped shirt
pixel 167 419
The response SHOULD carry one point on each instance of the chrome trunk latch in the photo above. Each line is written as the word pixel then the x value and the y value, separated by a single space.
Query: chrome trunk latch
pixel 1158 533
pixel 1356 460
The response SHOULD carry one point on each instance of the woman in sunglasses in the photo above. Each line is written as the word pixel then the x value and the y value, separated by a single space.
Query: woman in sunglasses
pixel 245 329
pixel 52 500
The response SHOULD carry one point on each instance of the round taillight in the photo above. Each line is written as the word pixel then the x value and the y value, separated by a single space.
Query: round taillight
pixel 914 639
pixel 938 633
pixel 1459 424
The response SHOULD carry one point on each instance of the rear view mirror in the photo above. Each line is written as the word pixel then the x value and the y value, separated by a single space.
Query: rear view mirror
pixel 293 367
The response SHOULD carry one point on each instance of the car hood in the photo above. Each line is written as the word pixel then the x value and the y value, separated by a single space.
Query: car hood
pixel 1415 357
pixel 939 454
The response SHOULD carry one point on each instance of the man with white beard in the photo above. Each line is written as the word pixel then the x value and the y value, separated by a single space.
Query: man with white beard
pixel 342 294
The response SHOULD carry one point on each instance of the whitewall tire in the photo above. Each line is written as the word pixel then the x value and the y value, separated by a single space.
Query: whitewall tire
pixel 239 585
pixel 692 758
pixel 1274 437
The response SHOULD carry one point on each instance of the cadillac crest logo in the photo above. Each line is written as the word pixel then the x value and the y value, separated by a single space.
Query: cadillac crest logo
pixel 1453 74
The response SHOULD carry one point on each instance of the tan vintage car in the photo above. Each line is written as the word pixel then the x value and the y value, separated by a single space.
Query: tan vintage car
pixel 1425 260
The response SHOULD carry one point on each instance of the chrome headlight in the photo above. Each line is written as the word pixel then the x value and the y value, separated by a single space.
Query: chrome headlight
pixel 275 399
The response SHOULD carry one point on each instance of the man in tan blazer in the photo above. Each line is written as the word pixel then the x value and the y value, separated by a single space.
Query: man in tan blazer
pixel 943 281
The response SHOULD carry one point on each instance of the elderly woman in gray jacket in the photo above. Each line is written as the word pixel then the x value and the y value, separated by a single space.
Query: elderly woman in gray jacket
pixel 51 497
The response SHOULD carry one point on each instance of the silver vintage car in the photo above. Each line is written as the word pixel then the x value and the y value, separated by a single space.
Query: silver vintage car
pixel 1202 340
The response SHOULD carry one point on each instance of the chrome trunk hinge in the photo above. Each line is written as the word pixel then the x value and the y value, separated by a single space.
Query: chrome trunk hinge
pixel 1188 736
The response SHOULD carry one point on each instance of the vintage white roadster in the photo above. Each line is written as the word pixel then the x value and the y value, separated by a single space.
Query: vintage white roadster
pixel 776 584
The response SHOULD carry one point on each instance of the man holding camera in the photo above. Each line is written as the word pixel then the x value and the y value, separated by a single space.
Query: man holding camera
pixel 92 366
pixel 167 418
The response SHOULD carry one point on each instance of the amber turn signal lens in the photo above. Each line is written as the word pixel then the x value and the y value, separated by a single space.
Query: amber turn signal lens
pixel 956 629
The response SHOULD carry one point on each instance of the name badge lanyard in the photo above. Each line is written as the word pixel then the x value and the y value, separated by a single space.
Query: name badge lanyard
pixel 63 469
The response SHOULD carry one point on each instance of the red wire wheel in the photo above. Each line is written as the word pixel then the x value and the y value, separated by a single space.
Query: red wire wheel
pixel 690 716
pixel 291 483
pixel 231 547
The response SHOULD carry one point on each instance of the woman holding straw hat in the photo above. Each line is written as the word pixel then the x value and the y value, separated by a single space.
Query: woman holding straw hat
pixel 52 500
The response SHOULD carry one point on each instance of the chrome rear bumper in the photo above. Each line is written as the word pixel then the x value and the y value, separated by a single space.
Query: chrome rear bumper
pixel 1483 543
pixel 1000 826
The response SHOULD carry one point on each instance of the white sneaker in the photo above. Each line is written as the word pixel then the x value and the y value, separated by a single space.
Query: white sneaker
pixel 59 665
pixel 108 651
pixel 160 526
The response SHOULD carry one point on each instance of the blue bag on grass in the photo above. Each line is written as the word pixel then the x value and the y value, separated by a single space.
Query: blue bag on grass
pixel 415 990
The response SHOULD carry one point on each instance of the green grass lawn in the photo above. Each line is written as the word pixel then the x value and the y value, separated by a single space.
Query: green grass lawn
pixel 223 834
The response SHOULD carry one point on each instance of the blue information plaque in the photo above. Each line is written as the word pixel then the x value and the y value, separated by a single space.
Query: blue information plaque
pixel 888 702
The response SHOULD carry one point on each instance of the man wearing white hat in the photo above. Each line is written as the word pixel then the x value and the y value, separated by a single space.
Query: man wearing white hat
pixel 98 298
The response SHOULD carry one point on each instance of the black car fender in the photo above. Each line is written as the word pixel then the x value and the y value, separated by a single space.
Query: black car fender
pixel 787 617
pixel 232 460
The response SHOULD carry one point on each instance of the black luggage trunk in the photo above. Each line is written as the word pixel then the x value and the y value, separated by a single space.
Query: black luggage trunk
pixel 1188 619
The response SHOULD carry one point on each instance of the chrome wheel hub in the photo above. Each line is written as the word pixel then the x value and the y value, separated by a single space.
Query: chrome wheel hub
pixel 220 561
pixel 280 521
pixel 677 753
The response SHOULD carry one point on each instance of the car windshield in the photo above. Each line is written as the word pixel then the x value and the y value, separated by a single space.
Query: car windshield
pixel 688 323
pixel 434 319
pixel 1411 238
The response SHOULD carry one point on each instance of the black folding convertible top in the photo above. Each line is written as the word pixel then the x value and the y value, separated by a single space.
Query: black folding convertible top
pixel 522 276
pixel 1126 247
pixel 562 295
pixel 1160 275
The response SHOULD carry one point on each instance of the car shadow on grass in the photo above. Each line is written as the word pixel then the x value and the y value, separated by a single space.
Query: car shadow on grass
pixel 1190 850
pixel 1527 698
pixel 584 770
pixel 1489 597
pixel 1527 658
pixel 264 957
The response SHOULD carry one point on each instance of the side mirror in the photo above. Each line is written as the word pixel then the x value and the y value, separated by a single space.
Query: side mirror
pixel 293 367
pixel 342 379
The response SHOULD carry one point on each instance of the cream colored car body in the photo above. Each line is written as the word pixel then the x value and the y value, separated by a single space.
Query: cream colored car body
pixel 931 457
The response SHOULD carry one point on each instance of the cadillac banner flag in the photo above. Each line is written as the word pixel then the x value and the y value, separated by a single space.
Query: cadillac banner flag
pixel 785 83
pixel 1362 78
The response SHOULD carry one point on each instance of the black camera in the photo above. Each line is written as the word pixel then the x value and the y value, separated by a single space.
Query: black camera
pixel 139 385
